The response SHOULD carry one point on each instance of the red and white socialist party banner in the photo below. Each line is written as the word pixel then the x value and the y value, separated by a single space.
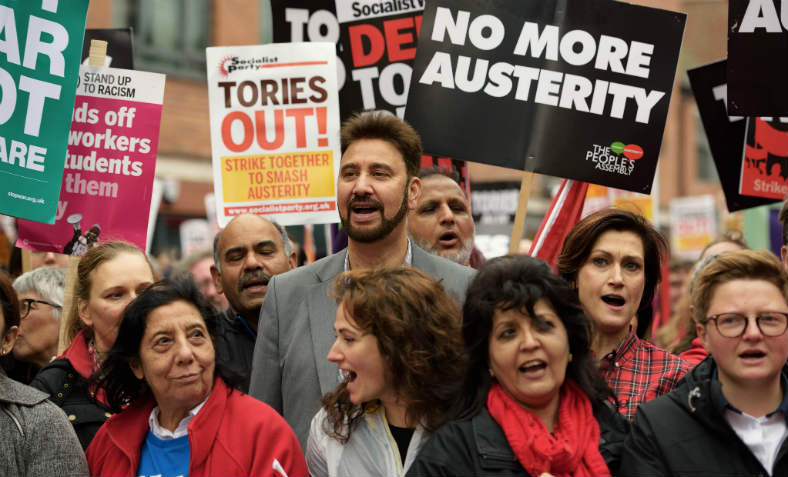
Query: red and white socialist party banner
pixel 110 163
pixel 378 44
pixel 275 131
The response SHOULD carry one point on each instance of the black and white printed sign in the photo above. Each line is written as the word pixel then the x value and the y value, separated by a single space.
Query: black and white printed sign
pixel 570 89
pixel 758 57
pixel 725 133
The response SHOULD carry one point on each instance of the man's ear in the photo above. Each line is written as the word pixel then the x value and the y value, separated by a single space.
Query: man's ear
pixel 784 256
pixel 292 260
pixel 217 279
pixel 414 192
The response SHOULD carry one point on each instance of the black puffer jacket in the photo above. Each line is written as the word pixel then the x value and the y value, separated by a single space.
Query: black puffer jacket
pixel 69 390
pixel 478 446
pixel 684 433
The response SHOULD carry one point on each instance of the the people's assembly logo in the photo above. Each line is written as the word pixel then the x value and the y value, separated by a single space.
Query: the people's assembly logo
pixel 617 158
pixel 230 64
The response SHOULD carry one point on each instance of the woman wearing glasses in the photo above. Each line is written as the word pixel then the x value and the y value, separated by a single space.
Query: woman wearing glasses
pixel 728 417
pixel 40 304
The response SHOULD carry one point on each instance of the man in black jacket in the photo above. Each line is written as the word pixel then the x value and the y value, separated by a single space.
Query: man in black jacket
pixel 247 253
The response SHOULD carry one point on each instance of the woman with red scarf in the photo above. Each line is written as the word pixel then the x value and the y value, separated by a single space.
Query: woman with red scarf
pixel 536 403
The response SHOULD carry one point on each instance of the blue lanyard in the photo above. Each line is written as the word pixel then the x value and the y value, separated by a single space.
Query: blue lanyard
pixel 248 328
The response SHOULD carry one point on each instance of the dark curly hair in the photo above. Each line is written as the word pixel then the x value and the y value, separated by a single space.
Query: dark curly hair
pixel 517 282
pixel 417 327
pixel 581 239
pixel 115 375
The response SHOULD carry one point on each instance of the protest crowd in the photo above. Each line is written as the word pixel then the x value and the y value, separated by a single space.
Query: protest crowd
pixel 597 350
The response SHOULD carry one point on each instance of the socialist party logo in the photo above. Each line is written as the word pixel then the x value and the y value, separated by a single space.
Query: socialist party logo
pixel 229 64
pixel 617 158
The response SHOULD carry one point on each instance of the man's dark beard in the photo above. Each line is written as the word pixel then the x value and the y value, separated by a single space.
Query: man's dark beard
pixel 382 230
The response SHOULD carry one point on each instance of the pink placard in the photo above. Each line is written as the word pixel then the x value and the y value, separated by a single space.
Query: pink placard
pixel 109 169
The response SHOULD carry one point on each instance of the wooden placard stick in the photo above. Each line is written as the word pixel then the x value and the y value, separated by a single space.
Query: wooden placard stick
pixel 522 208
pixel 98 52
pixel 96 57
pixel 66 316
pixel 27 260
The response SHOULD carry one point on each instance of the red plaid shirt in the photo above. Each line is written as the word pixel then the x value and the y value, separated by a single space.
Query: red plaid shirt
pixel 638 371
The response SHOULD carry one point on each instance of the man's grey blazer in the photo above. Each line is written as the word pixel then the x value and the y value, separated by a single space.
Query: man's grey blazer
pixel 290 371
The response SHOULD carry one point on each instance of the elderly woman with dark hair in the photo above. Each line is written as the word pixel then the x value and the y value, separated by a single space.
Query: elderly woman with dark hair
pixel 400 352
pixel 613 260
pixel 35 436
pixel 535 402
pixel 178 411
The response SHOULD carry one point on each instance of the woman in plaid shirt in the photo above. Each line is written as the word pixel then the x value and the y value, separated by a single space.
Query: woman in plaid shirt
pixel 613 259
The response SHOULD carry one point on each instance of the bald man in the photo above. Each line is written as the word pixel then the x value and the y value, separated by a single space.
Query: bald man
pixel 247 253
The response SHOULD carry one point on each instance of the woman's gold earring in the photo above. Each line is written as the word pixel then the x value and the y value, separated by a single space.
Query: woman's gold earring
pixel 570 357
pixel 491 372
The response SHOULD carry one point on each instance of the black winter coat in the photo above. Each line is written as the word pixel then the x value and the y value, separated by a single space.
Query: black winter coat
pixel 69 391
pixel 684 433
pixel 478 446
pixel 235 347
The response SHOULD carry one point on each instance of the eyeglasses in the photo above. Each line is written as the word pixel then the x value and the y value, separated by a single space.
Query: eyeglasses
pixel 732 325
pixel 27 306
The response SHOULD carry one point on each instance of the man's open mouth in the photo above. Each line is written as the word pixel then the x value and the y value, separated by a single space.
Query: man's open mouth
pixel 448 239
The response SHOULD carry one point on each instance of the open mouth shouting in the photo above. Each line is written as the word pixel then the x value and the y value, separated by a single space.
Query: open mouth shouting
pixel 533 368
pixel 752 356
pixel 348 376
pixel 448 239
pixel 364 209
pixel 616 302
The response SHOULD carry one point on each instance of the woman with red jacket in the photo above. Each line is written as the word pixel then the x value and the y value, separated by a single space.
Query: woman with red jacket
pixel 180 414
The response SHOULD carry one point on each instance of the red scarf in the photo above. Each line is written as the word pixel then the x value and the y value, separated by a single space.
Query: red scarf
pixel 572 448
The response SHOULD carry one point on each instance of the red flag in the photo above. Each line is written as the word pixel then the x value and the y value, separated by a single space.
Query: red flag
pixel 563 214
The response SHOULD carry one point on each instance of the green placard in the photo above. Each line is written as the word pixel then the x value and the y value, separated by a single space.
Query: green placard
pixel 40 47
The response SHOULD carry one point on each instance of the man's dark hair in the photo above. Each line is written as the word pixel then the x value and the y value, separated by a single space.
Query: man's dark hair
pixel 390 128
pixel 436 171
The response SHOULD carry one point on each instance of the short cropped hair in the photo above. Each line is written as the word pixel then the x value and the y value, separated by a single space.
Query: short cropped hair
pixel 436 171
pixel 390 128
pixel 737 265
pixel 287 246
pixel 46 282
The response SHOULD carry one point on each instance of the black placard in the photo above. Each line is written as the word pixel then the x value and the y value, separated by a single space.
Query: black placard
pixel 724 133
pixel 758 57
pixel 566 104
pixel 120 49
